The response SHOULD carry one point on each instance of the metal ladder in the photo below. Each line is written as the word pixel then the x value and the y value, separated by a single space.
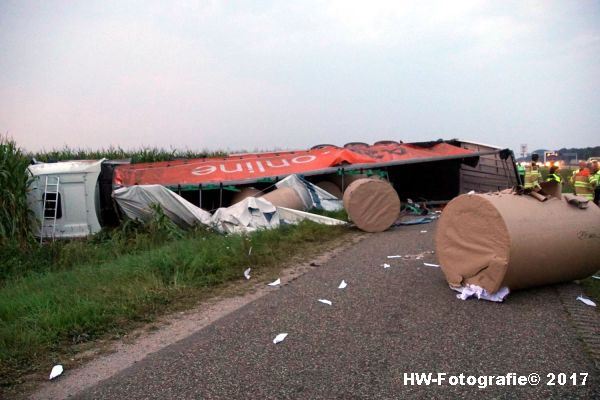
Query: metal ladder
pixel 49 206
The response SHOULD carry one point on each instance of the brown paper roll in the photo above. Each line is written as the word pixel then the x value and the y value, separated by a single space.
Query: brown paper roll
pixel 348 179
pixel 285 197
pixel 372 204
pixel 495 240
pixel 331 188
pixel 245 193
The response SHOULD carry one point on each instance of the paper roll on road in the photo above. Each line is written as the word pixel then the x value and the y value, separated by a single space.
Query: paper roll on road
pixel 495 240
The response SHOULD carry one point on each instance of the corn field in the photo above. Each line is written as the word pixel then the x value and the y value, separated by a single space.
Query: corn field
pixel 14 214
pixel 141 155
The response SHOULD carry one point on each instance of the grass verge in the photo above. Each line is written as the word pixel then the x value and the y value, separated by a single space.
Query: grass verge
pixel 591 287
pixel 46 313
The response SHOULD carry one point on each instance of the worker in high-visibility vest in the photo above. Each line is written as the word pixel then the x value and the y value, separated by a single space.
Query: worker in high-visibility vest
pixel 532 175
pixel 595 181
pixel 578 171
pixel 553 175
pixel 521 171
pixel 581 182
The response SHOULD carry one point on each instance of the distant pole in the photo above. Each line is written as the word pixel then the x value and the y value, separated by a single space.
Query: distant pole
pixel 523 149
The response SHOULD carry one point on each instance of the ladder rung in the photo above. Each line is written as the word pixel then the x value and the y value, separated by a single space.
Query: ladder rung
pixel 50 210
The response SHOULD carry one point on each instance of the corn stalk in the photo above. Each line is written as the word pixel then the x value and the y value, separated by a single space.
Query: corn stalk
pixel 14 182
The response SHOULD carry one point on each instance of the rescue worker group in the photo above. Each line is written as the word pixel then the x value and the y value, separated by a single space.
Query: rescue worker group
pixel 585 179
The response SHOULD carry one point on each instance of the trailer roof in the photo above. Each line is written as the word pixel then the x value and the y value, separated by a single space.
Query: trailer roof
pixel 321 159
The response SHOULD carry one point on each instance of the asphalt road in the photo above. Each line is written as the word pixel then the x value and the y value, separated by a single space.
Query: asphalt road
pixel 386 324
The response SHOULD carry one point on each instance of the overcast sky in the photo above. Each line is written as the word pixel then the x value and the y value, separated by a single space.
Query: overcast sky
pixel 273 74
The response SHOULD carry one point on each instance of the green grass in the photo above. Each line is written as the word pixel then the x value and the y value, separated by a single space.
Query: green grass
pixel 340 214
pixel 592 288
pixel 87 290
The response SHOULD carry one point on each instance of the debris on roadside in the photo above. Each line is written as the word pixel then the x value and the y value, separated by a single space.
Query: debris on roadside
pixel 416 221
pixel 396 256
pixel 587 301
pixel 419 256
pixel 275 282
pixel 386 265
pixel 431 265
pixel 469 291
pixel 57 370
pixel 247 273
pixel 279 338
pixel 285 204
pixel 343 285
pixel 325 301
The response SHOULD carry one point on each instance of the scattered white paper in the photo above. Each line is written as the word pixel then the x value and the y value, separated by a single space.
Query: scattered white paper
pixel 328 302
pixel 586 301
pixel 386 265
pixel 56 371
pixel 595 276
pixel 471 192
pixel 250 250
pixel 482 294
pixel 275 282
pixel 343 285
pixel 279 338
pixel 247 273
pixel 397 256
pixel 431 265
pixel 423 231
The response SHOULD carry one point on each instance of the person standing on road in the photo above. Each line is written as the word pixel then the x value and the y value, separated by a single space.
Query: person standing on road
pixel 532 175
pixel 553 175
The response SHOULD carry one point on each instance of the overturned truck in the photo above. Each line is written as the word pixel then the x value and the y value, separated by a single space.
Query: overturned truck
pixel 77 198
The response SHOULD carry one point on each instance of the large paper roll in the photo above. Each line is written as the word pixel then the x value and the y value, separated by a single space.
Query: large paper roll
pixel 348 179
pixel 285 197
pixel 495 240
pixel 330 188
pixel 372 204
pixel 245 193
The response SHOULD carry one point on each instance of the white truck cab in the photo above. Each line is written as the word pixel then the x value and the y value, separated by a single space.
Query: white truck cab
pixel 64 198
